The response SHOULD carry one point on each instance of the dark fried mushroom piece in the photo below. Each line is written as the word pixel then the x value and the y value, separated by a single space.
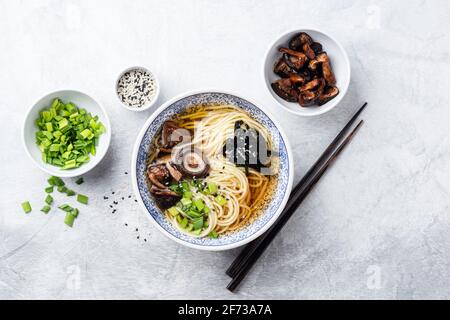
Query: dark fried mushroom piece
pixel 158 175
pixel 165 197
pixel 296 79
pixel 310 92
pixel 328 94
pixel 283 88
pixel 308 51
pixel 172 135
pixel 307 98
pixel 293 58
pixel 174 172
pixel 317 47
pixel 297 41
pixel 326 69
pixel 283 69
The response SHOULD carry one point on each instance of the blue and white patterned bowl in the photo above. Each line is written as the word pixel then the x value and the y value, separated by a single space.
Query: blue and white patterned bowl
pixel 271 211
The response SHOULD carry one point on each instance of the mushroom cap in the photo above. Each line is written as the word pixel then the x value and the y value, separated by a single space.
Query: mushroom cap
pixel 190 161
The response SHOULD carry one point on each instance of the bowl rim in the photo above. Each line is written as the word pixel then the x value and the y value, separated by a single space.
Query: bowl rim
pixel 68 173
pixel 239 243
pixel 152 102
pixel 321 109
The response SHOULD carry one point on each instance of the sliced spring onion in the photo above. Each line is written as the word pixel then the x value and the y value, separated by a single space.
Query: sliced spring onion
pixel 213 234
pixel 184 222
pixel 212 187
pixel 221 200
pixel 186 202
pixel 66 208
pixel 26 206
pixel 74 212
pixel 49 199
pixel 45 209
pixel 49 189
pixel 68 220
pixel 70 192
pixel 63 128
pixel 199 204
pixel 198 223
pixel 187 195
pixel 79 180
pixel 173 211
pixel 55 181
pixel 82 199
pixel 62 189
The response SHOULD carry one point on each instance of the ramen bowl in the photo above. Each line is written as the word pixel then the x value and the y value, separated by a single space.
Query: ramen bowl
pixel 271 210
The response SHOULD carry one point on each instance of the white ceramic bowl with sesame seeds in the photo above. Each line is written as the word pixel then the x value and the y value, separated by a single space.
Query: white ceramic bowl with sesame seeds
pixel 137 88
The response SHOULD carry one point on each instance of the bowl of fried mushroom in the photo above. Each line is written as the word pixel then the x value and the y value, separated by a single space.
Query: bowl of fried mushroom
pixel 307 72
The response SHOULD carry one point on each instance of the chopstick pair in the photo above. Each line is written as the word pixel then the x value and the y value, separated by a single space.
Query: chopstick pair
pixel 251 253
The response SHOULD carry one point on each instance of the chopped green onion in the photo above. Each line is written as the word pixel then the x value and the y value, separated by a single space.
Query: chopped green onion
pixel 189 227
pixel 206 209
pixel 62 189
pixel 45 209
pixel 55 181
pixel 199 204
pixel 212 187
pixel 79 180
pixel 187 195
pixel 173 211
pixel 184 222
pixel 70 192
pixel 26 206
pixel 68 220
pixel 82 199
pixel 198 223
pixel 49 199
pixel 221 200
pixel 185 202
pixel 66 208
pixel 194 214
pixel 213 234
pixel 74 212
pixel 49 189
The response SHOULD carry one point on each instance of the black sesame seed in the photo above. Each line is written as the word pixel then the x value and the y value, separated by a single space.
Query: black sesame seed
pixel 129 196
pixel 123 198
pixel 137 237
pixel 126 224
pixel 113 192
pixel 137 229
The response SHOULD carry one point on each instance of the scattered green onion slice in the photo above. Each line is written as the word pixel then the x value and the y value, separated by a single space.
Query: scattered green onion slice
pixel 55 181
pixel 49 189
pixel 79 180
pixel 68 220
pixel 62 189
pixel 173 211
pixel 26 206
pixel 70 192
pixel 49 199
pixel 66 208
pixel 82 199
pixel 74 212
pixel 45 209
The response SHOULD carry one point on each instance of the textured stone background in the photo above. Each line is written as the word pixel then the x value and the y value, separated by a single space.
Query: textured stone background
pixel 377 226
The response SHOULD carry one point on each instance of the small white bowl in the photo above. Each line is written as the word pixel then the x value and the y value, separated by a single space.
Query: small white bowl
pixel 82 100
pixel 151 103
pixel 339 62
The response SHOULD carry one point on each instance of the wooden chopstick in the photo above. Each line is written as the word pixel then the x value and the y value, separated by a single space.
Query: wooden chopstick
pixel 234 268
pixel 291 207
